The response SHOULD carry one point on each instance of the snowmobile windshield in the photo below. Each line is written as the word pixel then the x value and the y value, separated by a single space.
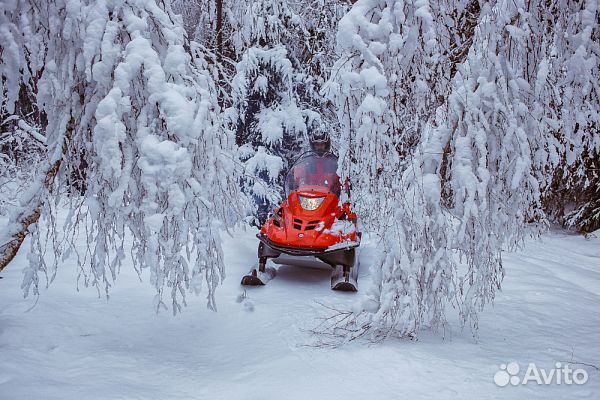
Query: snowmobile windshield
pixel 314 171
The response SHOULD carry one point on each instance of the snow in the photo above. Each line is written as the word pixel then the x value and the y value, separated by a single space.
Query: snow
pixel 373 78
pixel 343 245
pixel 456 128
pixel 372 104
pixel 263 161
pixel 70 345
pixel 163 159
pixel 31 130
pixel 341 227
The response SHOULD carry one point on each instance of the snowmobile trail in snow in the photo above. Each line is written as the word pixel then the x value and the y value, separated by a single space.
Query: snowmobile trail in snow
pixel 76 345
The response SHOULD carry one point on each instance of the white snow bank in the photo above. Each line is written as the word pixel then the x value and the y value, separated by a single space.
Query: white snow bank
pixel 78 346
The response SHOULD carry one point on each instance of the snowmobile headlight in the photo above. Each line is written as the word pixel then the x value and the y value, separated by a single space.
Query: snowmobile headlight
pixel 310 203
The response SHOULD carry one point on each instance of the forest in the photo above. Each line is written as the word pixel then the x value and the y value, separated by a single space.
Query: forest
pixel 146 129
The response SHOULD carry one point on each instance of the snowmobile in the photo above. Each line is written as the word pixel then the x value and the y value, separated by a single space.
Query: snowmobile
pixel 310 225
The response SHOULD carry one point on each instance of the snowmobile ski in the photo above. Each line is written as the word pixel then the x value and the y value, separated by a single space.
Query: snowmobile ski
pixel 345 279
pixel 256 277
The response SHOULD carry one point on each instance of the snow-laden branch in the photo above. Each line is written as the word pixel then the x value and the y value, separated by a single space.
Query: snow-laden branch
pixel 449 126
pixel 146 149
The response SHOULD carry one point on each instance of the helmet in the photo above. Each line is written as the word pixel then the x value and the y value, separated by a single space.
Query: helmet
pixel 320 142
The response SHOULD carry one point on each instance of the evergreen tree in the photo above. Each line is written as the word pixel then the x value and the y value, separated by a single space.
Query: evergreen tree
pixel 269 118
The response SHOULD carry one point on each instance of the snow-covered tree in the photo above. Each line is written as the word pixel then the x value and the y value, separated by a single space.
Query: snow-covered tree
pixel 209 26
pixel 292 45
pixel 267 112
pixel 22 144
pixel 563 75
pixel 394 67
pixel 120 91
pixel 22 147
pixel 435 103
pixel 268 123
pixel 384 85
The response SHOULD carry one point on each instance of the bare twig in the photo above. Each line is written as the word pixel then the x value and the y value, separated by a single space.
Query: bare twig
pixel 572 361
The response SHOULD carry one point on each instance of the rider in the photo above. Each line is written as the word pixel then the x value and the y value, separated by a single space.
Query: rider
pixel 320 142
pixel 324 166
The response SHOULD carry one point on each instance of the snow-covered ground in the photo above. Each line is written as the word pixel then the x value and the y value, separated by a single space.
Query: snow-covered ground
pixel 74 345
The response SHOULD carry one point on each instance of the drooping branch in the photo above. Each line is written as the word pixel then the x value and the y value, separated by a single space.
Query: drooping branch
pixel 461 38
pixel 18 227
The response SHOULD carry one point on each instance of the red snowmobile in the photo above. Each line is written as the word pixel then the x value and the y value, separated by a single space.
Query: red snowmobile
pixel 310 224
